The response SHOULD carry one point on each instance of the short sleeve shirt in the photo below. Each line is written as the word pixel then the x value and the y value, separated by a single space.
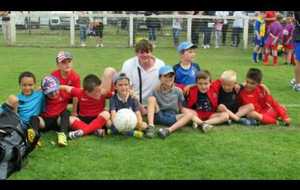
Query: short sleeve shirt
pixel 116 104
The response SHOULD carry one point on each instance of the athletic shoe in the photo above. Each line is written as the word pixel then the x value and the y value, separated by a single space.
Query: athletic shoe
pixel 150 131
pixel 163 133
pixel 195 125
pixel 76 134
pixel 31 135
pixel 206 127
pixel 61 139
pixel 293 82
pixel 248 122
pixel 138 134
pixel 297 87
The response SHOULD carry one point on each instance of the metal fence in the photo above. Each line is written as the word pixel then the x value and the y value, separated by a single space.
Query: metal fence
pixel 62 29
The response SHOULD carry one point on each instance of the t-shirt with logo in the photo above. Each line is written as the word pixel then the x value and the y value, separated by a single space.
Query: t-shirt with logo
pixel 89 106
pixel 186 76
pixel 73 79
pixel 203 103
pixel 55 106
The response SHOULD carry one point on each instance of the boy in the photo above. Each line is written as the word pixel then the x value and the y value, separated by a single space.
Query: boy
pixel 274 31
pixel 166 104
pixel 203 99
pixel 287 40
pixel 266 109
pixel 92 116
pixel 55 115
pixel 123 99
pixel 260 30
pixel 67 75
pixel 31 104
pixel 185 70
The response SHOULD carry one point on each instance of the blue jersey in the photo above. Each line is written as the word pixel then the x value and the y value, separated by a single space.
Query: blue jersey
pixel 186 76
pixel 31 105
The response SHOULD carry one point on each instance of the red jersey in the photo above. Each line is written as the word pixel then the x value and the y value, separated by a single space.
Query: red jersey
pixel 89 106
pixel 73 79
pixel 54 107
pixel 258 97
pixel 212 96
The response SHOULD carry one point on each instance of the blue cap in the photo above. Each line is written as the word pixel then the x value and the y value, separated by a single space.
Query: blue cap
pixel 50 84
pixel 184 46
pixel 165 70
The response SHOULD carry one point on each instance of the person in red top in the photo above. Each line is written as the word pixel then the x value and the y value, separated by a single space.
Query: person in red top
pixel 92 116
pixel 203 99
pixel 67 75
pixel 266 108
pixel 55 115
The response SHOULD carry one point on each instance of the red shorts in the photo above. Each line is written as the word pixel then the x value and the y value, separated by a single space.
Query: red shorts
pixel 288 47
pixel 204 115
pixel 270 112
pixel 270 46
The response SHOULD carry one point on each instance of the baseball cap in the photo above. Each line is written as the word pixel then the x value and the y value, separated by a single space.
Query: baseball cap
pixel 184 46
pixel 165 70
pixel 120 76
pixel 62 55
pixel 270 15
pixel 49 84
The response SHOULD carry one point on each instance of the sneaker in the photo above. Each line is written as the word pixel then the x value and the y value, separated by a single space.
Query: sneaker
pixel 75 134
pixel 31 135
pixel 248 122
pixel 163 133
pixel 195 125
pixel 292 82
pixel 150 131
pixel 101 45
pixel 297 87
pixel 100 132
pixel 98 45
pixel 206 127
pixel 82 45
pixel 138 134
pixel 61 139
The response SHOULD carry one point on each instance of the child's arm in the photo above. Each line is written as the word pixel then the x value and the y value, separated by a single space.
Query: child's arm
pixel 140 123
pixel 66 88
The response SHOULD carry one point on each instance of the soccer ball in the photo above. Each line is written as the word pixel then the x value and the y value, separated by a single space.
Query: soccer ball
pixel 125 120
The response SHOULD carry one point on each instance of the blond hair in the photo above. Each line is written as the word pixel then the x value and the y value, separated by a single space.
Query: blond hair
pixel 229 75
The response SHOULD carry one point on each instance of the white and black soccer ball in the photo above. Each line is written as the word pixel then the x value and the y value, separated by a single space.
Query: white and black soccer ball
pixel 125 120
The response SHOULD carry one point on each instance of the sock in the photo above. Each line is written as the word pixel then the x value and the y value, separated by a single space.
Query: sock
pixel 275 60
pixel 97 123
pixel 260 56
pixel 266 119
pixel 266 58
pixel 254 56
pixel 65 122
pixel 78 124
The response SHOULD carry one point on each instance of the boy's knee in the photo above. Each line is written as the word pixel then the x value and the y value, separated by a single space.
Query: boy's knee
pixel 222 107
pixel 151 100
pixel 109 71
pixel 105 115
pixel 73 119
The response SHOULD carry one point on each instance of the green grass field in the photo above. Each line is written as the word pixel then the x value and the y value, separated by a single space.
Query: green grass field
pixel 227 152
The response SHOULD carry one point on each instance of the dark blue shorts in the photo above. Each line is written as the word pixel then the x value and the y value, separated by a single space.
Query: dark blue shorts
pixel 260 42
pixel 297 50
pixel 167 118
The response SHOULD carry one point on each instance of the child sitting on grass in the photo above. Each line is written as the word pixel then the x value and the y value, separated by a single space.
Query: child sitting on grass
pixel 266 109
pixel 203 99
pixel 123 99
pixel 165 106
pixel 92 115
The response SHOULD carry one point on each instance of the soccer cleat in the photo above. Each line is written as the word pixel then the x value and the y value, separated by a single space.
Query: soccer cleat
pixel 297 87
pixel 163 133
pixel 138 134
pixel 206 127
pixel 75 134
pixel 31 135
pixel 292 82
pixel 150 131
pixel 62 139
